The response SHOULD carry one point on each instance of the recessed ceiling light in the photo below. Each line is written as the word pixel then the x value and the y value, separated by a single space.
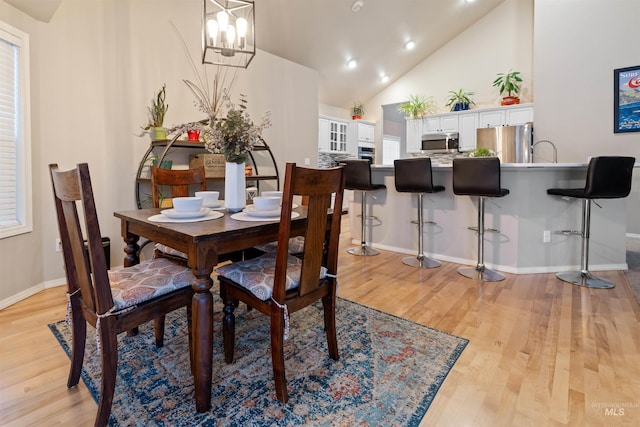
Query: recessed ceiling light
pixel 357 5
pixel 410 45
pixel 384 78
pixel 352 63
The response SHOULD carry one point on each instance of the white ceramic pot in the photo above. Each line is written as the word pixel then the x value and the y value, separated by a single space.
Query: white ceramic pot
pixel 235 196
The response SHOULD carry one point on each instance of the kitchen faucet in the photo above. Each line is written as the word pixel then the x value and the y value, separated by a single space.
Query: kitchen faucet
pixel 555 150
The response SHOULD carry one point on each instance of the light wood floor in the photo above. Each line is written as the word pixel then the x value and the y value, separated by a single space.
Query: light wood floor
pixel 541 352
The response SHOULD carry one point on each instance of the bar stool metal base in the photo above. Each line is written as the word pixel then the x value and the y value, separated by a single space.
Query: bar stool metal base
pixel 587 280
pixel 363 250
pixel 483 274
pixel 421 262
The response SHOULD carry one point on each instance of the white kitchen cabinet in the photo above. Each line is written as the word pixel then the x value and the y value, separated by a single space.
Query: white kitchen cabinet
pixel 361 131
pixel 505 116
pixel 518 116
pixel 332 135
pixel 323 134
pixel 467 127
pixel 414 135
pixel 440 123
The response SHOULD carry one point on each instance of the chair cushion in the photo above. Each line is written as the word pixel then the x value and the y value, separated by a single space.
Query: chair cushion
pixel 296 246
pixel 169 250
pixel 256 275
pixel 147 280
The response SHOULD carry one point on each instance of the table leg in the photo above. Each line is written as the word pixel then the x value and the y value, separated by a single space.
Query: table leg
pixel 131 250
pixel 202 341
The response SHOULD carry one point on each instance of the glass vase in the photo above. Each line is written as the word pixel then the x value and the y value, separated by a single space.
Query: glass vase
pixel 235 196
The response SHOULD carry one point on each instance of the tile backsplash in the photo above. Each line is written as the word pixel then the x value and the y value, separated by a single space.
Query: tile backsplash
pixel 329 160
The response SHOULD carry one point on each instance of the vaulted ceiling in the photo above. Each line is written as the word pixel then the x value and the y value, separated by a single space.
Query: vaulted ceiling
pixel 325 34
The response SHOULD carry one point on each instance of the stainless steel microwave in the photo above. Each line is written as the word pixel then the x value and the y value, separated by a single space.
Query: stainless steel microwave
pixel 440 142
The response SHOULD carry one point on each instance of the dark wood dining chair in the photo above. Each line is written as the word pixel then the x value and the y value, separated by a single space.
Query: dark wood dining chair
pixel 289 283
pixel 112 301
pixel 178 183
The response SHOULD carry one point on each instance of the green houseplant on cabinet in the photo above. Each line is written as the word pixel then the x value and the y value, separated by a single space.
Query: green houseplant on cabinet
pixel 156 112
pixel 460 100
pixel 417 106
pixel 357 110
pixel 508 83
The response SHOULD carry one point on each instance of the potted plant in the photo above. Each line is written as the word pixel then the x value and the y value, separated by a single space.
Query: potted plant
pixel 417 106
pixel 156 112
pixel 460 100
pixel 357 110
pixel 508 83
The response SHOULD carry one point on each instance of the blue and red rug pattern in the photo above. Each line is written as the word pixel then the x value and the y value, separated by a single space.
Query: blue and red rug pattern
pixel 389 372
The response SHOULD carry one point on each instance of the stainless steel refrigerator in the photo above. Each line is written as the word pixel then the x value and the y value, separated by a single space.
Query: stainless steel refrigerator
pixel 512 144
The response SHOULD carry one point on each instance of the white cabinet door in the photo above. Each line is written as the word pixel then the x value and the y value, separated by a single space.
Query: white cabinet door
pixel 506 116
pixel 365 132
pixel 430 124
pixel 341 141
pixel 467 127
pixel 414 135
pixel 491 118
pixel 449 123
pixel 323 134
pixel 445 123
pixel 518 116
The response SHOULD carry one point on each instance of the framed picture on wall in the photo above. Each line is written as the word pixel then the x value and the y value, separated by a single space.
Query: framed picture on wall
pixel 626 95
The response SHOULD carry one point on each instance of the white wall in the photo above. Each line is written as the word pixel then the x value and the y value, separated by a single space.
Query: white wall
pixel 95 68
pixel 574 80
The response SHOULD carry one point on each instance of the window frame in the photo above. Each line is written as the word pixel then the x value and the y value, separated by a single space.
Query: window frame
pixel 24 189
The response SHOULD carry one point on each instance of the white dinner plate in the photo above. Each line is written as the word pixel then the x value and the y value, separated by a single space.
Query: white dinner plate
pixel 218 203
pixel 251 211
pixel 174 214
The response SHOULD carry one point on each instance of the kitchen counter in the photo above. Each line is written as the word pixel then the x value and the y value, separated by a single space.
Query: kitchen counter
pixel 522 218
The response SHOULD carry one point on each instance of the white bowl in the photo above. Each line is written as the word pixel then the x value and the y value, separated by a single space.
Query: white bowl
pixel 209 198
pixel 187 204
pixel 266 203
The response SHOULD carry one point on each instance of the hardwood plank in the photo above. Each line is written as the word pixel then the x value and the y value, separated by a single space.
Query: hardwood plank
pixel 541 352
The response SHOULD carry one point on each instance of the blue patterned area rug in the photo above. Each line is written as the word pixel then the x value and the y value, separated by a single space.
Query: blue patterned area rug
pixel 389 372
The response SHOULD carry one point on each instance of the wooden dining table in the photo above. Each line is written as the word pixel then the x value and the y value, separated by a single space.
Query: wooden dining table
pixel 203 242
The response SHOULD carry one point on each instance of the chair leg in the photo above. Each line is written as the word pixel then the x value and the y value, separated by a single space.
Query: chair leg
pixel 480 272
pixel 79 337
pixel 109 369
pixel 329 305
pixel 420 261
pixel 228 324
pixel 158 328
pixel 584 277
pixel 277 353
pixel 363 249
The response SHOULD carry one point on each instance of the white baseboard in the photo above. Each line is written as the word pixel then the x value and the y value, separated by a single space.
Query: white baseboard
pixel 31 291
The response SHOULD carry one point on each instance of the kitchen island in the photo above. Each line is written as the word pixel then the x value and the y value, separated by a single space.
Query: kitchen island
pixel 530 222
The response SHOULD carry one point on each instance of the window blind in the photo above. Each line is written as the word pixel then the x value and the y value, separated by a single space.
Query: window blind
pixel 15 151
pixel 8 134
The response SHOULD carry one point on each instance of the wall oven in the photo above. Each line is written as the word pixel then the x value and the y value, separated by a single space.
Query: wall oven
pixel 367 151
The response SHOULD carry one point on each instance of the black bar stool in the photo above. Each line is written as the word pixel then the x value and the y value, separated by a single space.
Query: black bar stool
pixel 607 178
pixel 480 177
pixel 415 176
pixel 358 177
